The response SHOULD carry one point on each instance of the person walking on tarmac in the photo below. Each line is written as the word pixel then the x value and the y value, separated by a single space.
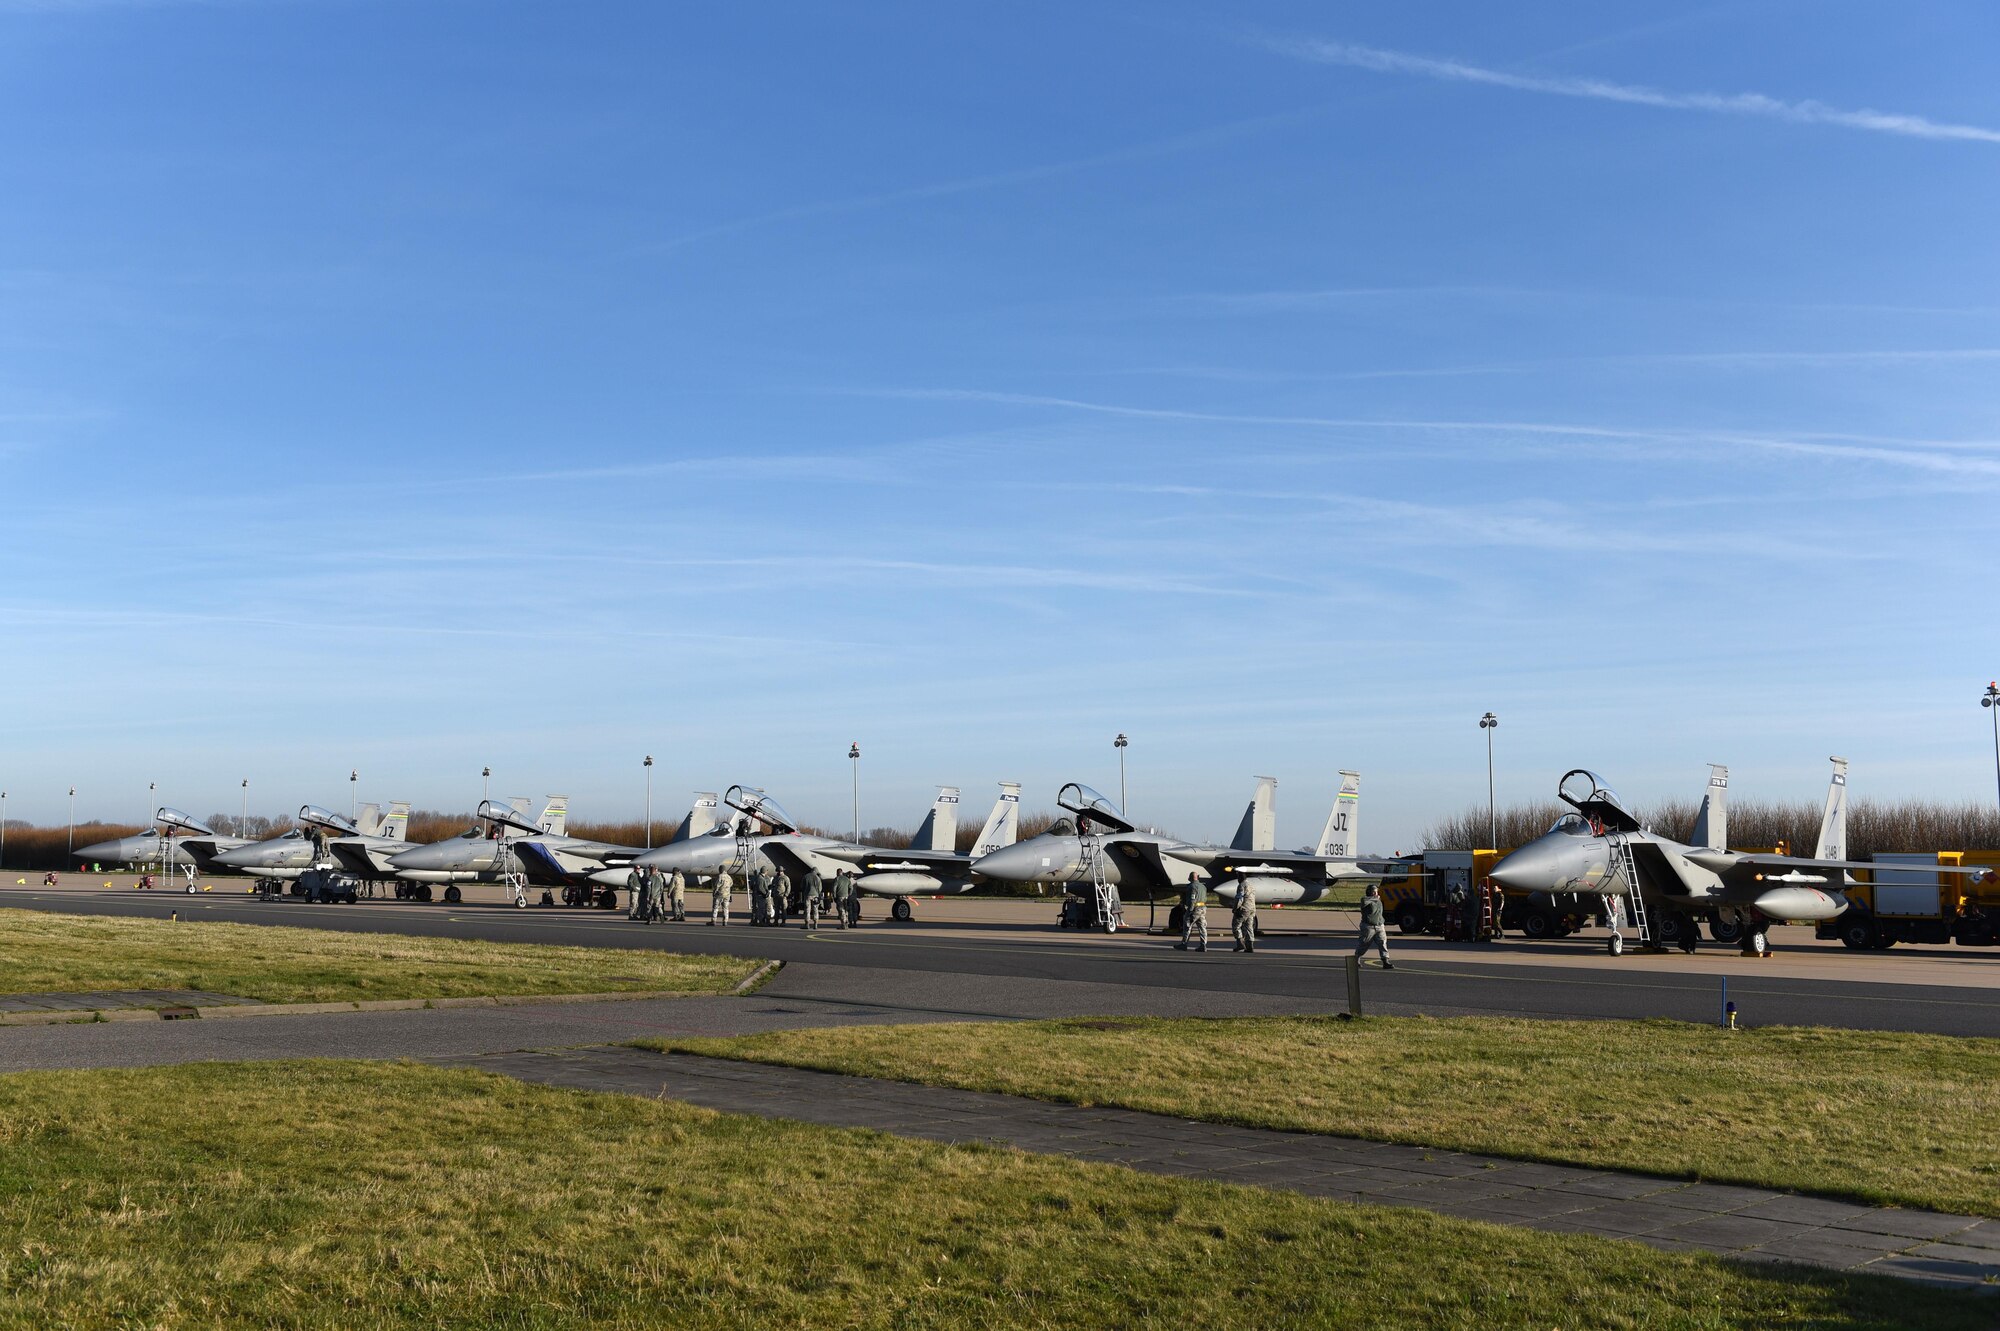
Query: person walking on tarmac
pixel 656 885
pixel 635 883
pixel 1243 917
pixel 677 895
pixel 760 896
pixel 1374 929
pixel 718 898
pixel 843 897
pixel 812 886
pixel 1194 916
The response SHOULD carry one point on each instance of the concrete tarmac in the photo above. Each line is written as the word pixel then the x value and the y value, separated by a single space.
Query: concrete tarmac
pixel 1946 990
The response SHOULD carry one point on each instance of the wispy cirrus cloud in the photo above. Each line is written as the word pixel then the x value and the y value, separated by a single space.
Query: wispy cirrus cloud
pixel 1380 61
pixel 1960 458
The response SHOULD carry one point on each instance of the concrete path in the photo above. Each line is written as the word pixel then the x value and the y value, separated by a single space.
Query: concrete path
pixel 1751 1224
pixel 799 996
pixel 114 1000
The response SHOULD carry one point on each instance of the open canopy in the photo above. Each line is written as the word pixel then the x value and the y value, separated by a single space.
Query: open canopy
pixel 750 800
pixel 1084 802
pixel 1585 791
pixel 326 820
pixel 174 818
pixel 506 815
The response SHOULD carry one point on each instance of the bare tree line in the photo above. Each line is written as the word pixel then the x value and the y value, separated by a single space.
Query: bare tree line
pixel 1873 826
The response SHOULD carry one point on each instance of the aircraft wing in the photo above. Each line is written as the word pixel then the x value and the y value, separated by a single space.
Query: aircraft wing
pixel 1722 861
pixel 1222 859
pixel 353 859
pixel 877 859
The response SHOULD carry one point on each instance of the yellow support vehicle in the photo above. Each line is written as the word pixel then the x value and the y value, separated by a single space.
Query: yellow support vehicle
pixel 1904 900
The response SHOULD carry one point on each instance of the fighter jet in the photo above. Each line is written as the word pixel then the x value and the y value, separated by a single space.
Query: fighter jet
pixel 483 853
pixel 1099 856
pixel 1603 848
pixel 324 839
pixel 759 828
pixel 193 853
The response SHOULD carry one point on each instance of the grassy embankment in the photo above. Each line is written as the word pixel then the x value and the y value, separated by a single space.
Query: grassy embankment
pixel 257 1195
pixel 1912 1120
pixel 69 953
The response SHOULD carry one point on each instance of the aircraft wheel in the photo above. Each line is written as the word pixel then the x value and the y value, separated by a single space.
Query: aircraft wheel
pixel 1536 924
pixel 453 896
pixel 190 889
pixel 901 912
pixel 1615 945
pixel 1725 929
pixel 1858 933
pixel 609 900
pixel 1760 943
pixel 548 897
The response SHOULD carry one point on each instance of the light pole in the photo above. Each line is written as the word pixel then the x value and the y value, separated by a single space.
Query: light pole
pixel 854 764
pixel 72 820
pixel 3 827
pixel 353 775
pixel 1991 698
pixel 649 801
pixel 1489 723
pixel 1119 744
pixel 243 818
pixel 485 794
pixel 151 809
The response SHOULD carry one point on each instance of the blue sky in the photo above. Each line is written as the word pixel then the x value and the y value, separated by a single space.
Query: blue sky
pixel 420 386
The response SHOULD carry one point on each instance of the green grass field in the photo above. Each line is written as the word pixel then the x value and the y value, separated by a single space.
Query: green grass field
pixel 41 952
pixel 1912 1120
pixel 342 1195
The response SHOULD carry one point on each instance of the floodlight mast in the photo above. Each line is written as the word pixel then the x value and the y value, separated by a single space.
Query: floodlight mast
pixel 1490 723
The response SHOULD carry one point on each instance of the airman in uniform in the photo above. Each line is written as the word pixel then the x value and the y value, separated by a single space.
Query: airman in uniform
pixel 718 898
pixel 1194 916
pixel 1243 918
pixel 677 895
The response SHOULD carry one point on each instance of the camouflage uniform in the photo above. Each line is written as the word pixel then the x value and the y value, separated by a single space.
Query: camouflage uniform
pixel 812 889
pixel 843 897
pixel 1243 918
pixel 718 898
pixel 1374 929
pixel 781 896
pixel 1194 916
pixel 760 896
pixel 677 894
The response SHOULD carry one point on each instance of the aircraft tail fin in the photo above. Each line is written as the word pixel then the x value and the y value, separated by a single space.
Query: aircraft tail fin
pixel 367 819
pixel 396 827
pixel 700 819
pixel 1711 825
pixel 1258 830
pixel 940 829
pixel 555 816
pixel 1342 834
pixel 1833 824
pixel 1003 825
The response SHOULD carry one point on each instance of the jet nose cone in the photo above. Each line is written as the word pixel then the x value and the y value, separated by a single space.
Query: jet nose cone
pixel 1009 864
pixel 121 849
pixel 419 857
pixel 1532 868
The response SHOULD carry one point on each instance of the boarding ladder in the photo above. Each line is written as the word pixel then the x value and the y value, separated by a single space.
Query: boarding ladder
pixel 1635 896
pixel 1110 910
pixel 508 870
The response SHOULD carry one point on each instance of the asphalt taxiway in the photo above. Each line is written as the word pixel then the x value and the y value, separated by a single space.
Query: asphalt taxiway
pixel 1300 964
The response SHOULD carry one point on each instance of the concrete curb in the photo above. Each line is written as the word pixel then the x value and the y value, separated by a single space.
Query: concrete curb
pixel 231 1011
pixel 755 979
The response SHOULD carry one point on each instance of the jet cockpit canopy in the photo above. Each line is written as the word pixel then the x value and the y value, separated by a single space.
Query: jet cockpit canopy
pixel 1085 803
pixel 506 815
pixel 750 800
pixel 172 818
pixel 1585 791
pixel 326 820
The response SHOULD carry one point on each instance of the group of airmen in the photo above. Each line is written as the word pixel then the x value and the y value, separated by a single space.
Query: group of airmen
pixel 1243 921
pixel 774 896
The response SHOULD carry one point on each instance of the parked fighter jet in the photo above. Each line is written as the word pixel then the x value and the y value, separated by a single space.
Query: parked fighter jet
pixel 483 854
pixel 192 853
pixel 930 866
pixel 324 839
pixel 1603 848
pixel 1099 856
